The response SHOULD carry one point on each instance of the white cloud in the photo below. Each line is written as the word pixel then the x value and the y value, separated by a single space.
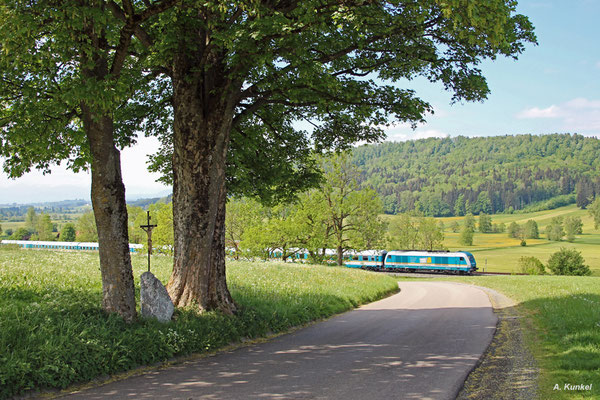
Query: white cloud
pixel 582 103
pixel 579 115
pixel 535 112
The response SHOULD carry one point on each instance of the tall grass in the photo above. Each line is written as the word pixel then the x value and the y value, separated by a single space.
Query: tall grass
pixel 53 332
pixel 563 321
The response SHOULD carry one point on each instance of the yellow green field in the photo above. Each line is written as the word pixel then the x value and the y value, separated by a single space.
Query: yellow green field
pixel 496 252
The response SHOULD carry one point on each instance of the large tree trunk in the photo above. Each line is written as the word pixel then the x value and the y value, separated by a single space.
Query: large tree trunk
pixel 202 124
pixel 110 212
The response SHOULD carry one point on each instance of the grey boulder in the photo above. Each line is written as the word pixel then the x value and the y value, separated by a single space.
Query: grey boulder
pixel 155 300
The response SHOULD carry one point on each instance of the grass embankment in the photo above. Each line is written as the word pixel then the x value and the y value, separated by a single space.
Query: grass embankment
pixel 563 325
pixel 53 332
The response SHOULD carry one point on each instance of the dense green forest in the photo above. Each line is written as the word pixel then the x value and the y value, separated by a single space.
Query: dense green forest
pixel 457 175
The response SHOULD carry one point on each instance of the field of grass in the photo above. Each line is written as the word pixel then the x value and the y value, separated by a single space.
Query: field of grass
pixel 53 332
pixel 496 252
pixel 563 325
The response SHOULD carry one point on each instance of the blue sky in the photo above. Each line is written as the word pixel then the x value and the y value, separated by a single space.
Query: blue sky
pixel 553 87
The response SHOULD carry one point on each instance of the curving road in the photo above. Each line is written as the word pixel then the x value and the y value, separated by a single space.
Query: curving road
pixel 418 344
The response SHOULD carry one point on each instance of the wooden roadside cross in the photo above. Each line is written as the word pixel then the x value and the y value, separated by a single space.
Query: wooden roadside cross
pixel 148 229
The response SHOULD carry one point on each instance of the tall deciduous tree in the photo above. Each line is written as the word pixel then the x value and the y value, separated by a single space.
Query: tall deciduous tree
pixel 31 219
pixel 70 71
pixel 242 214
pixel 241 73
pixel 44 227
pixel 351 212
pixel 485 223
pixel 431 236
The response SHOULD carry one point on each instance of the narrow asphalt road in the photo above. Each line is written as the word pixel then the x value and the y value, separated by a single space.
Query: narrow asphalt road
pixel 418 344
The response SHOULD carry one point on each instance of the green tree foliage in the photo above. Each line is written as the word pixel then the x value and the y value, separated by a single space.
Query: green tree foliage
pixel 277 234
pixel 136 216
pixel 352 213
pixel 454 226
pixel 466 236
pixel 503 172
pixel 531 266
pixel 68 233
pixel 485 223
pixel 459 205
pixel 469 222
pixel 531 230
pixel 258 68
pixel 501 227
pixel 242 214
pixel 45 227
pixel 431 236
pixel 554 230
pixel 514 230
pixel 412 233
pixel 585 192
pixel 594 211
pixel 21 234
pixel 573 226
pixel 86 228
pixel 403 233
pixel 76 87
pixel 568 262
pixel 314 227
pixel 162 235
pixel 31 220
pixel 483 204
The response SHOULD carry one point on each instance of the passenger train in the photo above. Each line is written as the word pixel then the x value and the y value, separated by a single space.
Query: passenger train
pixel 461 262
pixel 86 246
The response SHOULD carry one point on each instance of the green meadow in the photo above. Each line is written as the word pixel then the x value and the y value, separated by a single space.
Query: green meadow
pixel 53 332
pixel 496 252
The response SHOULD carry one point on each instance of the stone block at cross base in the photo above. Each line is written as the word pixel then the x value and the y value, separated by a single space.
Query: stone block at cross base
pixel 155 300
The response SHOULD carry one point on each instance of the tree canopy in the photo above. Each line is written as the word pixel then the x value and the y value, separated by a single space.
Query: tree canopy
pixel 224 85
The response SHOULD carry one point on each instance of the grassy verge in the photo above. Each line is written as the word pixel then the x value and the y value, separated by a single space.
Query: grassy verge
pixel 563 326
pixel 53 332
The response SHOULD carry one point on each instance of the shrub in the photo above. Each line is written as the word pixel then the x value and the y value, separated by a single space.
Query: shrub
pixel 568 262
pixel 531 266
pixel 21 234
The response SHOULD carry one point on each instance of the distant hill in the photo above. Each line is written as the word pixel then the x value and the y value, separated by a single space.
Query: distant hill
pixel 450 176
pixel 16 212
pixel 144 203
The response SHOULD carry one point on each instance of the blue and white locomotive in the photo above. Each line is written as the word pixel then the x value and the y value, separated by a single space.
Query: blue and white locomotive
pixel 461 262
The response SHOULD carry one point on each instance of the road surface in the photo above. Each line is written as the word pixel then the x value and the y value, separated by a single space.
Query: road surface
pixel 418 344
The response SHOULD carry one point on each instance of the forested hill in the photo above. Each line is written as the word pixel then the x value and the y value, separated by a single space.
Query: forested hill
pixel 443 177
